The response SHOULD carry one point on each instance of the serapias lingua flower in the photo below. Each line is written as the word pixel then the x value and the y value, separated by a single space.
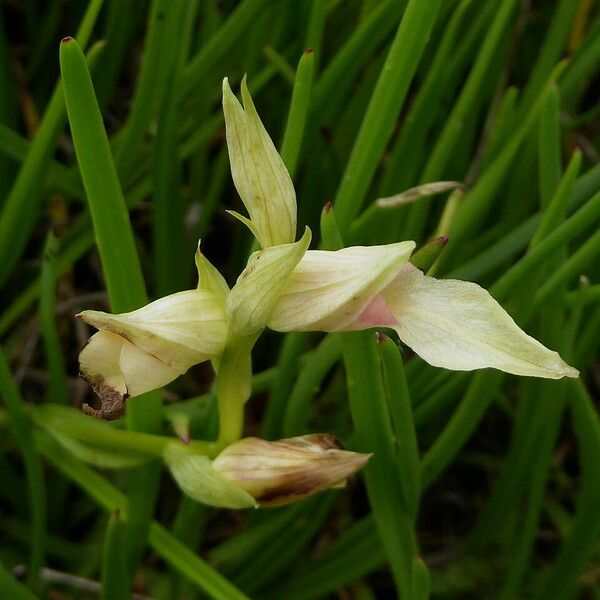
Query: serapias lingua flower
pixel 142 350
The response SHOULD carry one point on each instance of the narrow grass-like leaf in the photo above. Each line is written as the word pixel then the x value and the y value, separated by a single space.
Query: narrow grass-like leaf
pixel 308 381
pixel 118 254
pixel 384 108
pixel 114 564
pixel 401 165
pixel 294 131
pixel 400 407
pixel 355 554
pixel 573 226
pixel 111 499
pixel 21 428
pixel 370 415
pixel 219 45
pixel 556 207
pixel 550 52
pixel 59 178
pixel 338 75
pixel 168 210
pixel 466 105
pixel 420 580
pixel 8 110
pixel 21 208
pixel 584 62
pixel 156 64
pixel 292 347
pixel 57 390
pixel 464 421
pixel 263 568
pixel 549 150
pixel 11 588
pixel 561 580
pixel 111 221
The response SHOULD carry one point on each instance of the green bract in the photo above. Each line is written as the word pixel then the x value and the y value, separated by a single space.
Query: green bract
pixel 258 172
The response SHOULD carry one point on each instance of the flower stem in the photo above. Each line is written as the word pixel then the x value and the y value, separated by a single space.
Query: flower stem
pixel 234 387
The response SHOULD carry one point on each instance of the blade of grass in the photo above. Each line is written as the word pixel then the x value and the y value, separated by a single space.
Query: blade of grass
pixel 21 208
pixel 8 110
pixel 353 555
pixel 59 178
pixel 119 258
pixel 308 382
pixel 157 59
pixel 21 429
pixel 551 49
pixel 584 63
pixel 385 106
pixel 549 150
pixel 111 499
pixel 465 108
pixel 111 222
pixel 299 105
pixel 463 422
pixel 114 563
pixel 57 389
pixel 400 408
pixel 370 415
pixel 168 210
pixel 11 588
pixel 573 226
pixel 263 568
pixel 226 36
pixel 561 580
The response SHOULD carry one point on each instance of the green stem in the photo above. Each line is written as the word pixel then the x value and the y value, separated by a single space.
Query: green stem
pixel 234 387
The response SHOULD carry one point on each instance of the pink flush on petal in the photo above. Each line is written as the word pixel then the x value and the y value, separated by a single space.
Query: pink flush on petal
pixel 376 314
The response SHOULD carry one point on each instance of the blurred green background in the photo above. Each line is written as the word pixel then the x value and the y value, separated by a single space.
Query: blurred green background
pixel 500 95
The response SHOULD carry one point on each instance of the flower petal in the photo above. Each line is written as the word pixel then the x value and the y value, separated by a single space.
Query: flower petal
pixel 181 330
pixel 328 290
pixel 142 371
pixel 258 171
pixel 458 325
pixel 116 370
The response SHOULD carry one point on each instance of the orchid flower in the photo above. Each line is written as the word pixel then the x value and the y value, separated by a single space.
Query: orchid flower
pixel 287 287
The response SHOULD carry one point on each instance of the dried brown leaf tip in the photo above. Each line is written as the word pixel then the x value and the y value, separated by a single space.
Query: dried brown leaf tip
pixel 288 470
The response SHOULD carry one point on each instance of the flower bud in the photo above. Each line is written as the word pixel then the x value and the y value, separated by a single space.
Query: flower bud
pixel 287 470
pixel 258 172
pixel 147 348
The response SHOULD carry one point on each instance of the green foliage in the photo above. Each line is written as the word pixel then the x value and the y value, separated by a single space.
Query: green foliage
pixel 113 163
